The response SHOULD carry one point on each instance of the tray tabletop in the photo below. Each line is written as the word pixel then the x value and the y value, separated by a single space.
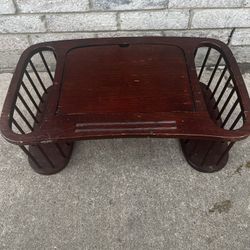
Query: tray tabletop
pixel 125 87
pixel 142 78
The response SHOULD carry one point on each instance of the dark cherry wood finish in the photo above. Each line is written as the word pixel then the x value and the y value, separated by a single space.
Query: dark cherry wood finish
pixel 126 87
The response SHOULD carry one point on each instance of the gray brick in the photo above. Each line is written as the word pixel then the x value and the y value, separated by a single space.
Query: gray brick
pixel 221 34
pixel 22 24
pixel 38 38
pixel 7 7
pixel 154 20
pixel 129 33
pixel 82 22
pixel 128 4
pixel 241 37
pixel 13 42
pixel 9 59
pixel 221 18
pixel 32 6
pixel 241 53
pixel 205 3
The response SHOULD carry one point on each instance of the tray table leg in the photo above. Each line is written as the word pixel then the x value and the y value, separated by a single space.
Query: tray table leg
pixel 206 155
pixel 49 158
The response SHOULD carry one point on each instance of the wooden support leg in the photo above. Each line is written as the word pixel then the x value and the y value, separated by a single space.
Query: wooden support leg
pixel 49 158
pixel 206 155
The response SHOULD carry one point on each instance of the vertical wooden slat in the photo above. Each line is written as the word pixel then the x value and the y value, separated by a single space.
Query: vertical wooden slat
pixel 27 107
pixel 204 62
pixel 218 82
pixel 225 104
pixel 222 92
pixel 214 71
pixel 24 118
pixel 30 96
pixel 33 85
pixel 38 76
pixel 230 113
pixel 46 66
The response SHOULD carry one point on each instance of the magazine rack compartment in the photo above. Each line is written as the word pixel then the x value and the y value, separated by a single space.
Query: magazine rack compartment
pixel 26 113
pixel 224 105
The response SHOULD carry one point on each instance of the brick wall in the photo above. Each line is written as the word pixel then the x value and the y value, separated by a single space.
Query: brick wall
pixel 25 22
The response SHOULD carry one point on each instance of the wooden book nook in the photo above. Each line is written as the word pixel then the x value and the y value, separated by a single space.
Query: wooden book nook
pixel 186 88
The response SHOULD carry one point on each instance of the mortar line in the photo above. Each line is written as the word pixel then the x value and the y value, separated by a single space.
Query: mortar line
pixel 190 19
pixel 16 7
pixel 90 4
pixel 44 20
pixel 115 30
pixel 118 21
pixel 29 39
pixel 128 10
pixel 136 30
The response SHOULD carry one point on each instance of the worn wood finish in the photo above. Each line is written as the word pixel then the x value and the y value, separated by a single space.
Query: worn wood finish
pixel 124 87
